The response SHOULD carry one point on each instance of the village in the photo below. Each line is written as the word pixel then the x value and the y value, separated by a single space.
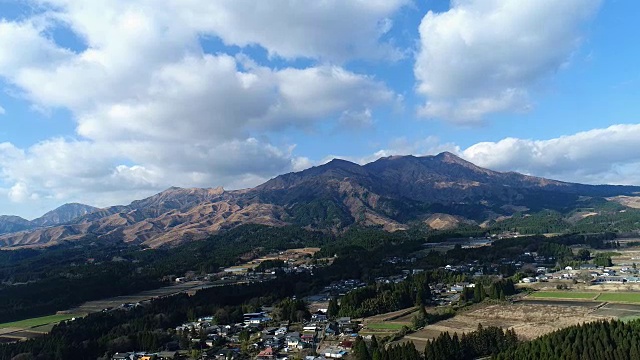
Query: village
pixel 261 335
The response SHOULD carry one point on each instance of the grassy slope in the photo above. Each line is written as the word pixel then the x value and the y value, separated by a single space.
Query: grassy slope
pixel 39 321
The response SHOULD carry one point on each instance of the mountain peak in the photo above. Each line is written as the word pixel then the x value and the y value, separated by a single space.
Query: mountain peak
pixel 63 214
pixel 451 158
pixel 339 163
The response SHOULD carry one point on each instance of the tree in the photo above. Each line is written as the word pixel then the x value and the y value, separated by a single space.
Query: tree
pixel 478 292
pixel 333 309
pixel 360 349
pixel 584 255
pixel 375 350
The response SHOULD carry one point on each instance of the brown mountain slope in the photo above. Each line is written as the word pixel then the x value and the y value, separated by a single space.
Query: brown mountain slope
pixel 392 192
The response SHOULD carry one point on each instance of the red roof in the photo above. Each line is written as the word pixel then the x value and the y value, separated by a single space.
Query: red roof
pixel 346 344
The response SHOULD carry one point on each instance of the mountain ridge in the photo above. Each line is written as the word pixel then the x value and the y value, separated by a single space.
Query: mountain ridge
pixel 58 216
pixel 391 192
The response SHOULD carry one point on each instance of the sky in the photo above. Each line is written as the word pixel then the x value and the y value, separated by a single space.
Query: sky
pixel 107 101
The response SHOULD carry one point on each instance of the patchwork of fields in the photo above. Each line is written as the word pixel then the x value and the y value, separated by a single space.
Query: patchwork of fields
pixel 538 314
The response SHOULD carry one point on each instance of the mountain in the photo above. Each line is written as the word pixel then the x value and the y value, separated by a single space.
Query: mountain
pixel 10 223
pixel 61 215
pixel 441 191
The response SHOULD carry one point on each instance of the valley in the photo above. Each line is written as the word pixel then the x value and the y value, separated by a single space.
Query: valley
pixel 337 252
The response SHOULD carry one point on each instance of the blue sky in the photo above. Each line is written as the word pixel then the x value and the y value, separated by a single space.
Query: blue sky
pixel 109 101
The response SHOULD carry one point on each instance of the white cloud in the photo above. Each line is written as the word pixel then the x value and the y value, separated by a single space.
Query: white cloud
pixel 608 155
pixel 19 192
pixel 2 111
pixel 154 110
pixel 332 30
pixel 356 119
pixel 484 56
pixel 599 156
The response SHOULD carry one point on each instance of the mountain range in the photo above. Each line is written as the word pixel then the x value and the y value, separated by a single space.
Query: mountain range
pixel 395 193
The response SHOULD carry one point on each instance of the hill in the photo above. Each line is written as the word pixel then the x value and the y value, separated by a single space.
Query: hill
pixel 58 216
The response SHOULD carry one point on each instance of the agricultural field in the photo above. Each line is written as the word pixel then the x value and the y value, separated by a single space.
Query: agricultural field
pixel 625 297
pixel 39 321
pixel 607 296
pixel 385 326
pixel 529 320
pixel 296 257
pixel 565 295
pixel 389 323
pixel 30 328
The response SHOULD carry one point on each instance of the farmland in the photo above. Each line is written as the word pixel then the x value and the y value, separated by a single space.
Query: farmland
pixel 626 297
pixel 529 320
pixel 39 321
pixel 385 326
pixel 565 295
pixel 608 296
pixel 388 323
pixel 30 328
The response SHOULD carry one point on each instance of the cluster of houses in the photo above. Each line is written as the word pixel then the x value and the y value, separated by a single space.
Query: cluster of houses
pixel 604 275
pixel 163 355
pixel 340 288
pixel 206 326
pixel 273 342
pixel 599 274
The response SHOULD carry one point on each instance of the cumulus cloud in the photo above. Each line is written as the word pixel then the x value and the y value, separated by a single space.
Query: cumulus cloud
pixel 599 156
pixel 153 109
pixel 608 155
pixel 19 192
pixel 332 30
pixel 484 56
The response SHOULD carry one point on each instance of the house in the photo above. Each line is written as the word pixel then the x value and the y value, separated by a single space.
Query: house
pixel 308 336
pixel 275 342
pixel 609 280
pixel 167 355
pixel 588 267
pixel 334 353
pixel 310 327
pixel 256 318
pixel 331 329
pixel 319 316
pixel 123 356
pixel 293 342
pixel 266 354
pixel 226 354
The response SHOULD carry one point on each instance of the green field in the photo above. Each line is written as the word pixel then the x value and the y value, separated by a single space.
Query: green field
pixel 33 322
pixel 630 318
pixel 385 326
pixel 564 295
pixel 620 297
